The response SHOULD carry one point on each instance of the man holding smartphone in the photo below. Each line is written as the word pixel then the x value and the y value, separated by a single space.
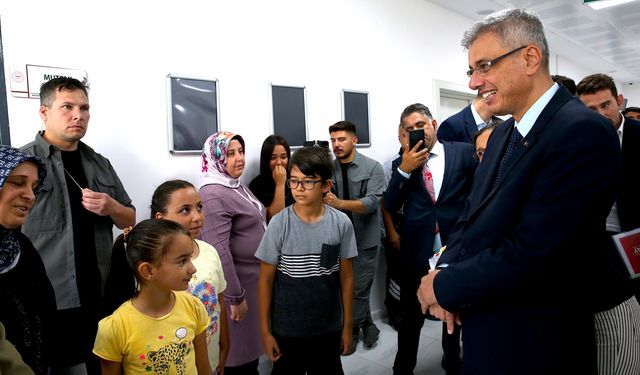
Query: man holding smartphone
pixel 431 184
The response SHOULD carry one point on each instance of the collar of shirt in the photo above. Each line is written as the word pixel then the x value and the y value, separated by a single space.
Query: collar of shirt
pixel 620 130
pixel 476 116
pixel 530 117
pixel 436 150
pixel 357 159
pixel 436 166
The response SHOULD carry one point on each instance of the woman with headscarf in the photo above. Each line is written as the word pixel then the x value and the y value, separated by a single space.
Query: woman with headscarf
pixel 26 294
pixel 234 225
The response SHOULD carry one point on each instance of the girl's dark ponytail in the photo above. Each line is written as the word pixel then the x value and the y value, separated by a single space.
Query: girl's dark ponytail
pixel 121 281
pixel 146 242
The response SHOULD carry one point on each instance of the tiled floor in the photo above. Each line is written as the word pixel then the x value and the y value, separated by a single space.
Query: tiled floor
pixel 379 359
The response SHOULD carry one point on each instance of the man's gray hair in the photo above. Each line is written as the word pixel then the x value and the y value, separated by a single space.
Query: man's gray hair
pixel 515 28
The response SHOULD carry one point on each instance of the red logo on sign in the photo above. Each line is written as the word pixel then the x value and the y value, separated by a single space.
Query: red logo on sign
pixel 17 76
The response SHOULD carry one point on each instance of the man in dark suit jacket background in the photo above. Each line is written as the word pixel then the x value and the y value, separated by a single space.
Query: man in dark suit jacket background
pixel 523 268
pixel 426 223
pixel 464 125
pixel 618 343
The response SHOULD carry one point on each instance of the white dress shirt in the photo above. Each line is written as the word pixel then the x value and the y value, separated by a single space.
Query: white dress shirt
pixel 436 166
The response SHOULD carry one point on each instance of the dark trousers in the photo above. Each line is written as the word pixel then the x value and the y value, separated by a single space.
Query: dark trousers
pixel 75 331
pixel 392 283
pixel 309 355
pixel 451 349
pixel 411 323
pixel 249 368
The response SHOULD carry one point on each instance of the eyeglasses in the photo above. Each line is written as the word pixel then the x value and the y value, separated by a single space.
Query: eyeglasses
pixel 484 66
pixel 306 184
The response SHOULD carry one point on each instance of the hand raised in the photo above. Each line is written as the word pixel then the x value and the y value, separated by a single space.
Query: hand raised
pixel 96 202
pixel 412 158
pixel 279 175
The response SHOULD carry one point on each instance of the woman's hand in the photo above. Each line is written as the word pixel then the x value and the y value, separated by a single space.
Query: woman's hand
pixel 271 348
pixel 279 175
pixel 238 312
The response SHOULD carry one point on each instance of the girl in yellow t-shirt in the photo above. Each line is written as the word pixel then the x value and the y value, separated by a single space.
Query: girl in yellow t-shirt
pixel 160 329
pixel 178 200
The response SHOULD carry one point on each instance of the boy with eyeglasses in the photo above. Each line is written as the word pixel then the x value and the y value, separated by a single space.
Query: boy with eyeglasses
pixel 306 279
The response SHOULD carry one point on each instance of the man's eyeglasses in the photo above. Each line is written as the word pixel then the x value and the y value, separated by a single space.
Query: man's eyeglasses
pixel 293 183
pixel 484 66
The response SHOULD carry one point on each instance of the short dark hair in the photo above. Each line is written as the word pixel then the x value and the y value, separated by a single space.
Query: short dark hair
pixel 596 82
pixel 49 89
pixel 416 107
pixel 566 82
pixel 631 109
pixel 267 149
pixel 486 129
pixel 347 126
pixel 162 194
pixel 313 161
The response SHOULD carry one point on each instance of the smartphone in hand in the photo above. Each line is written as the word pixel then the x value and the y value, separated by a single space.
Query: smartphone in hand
pixel 414 137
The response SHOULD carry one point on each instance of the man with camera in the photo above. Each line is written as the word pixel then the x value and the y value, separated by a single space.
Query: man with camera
pixel 431 182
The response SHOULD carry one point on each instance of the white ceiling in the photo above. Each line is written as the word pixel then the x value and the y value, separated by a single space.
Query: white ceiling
pixel 603 41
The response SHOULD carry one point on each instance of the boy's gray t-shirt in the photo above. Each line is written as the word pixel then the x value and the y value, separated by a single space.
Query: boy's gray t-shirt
pixel 306 289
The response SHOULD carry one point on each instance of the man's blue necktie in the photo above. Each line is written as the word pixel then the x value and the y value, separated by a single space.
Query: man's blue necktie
pixel 514 142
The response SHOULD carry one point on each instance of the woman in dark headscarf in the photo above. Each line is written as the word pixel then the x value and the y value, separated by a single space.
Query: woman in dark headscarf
pixel 26 295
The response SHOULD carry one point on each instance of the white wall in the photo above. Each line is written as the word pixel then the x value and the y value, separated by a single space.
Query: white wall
pixel 631 93
pixel 392 49
pixel 563 66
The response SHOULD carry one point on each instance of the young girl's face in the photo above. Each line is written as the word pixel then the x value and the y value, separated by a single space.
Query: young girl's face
pixel 174 268
pixel 278 157
pixel 304 193
pixel 185 208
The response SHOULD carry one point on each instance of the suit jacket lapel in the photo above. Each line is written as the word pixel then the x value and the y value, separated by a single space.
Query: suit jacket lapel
pixel 470 123
pixel 449 162
pixel 557 101
pixel 489 165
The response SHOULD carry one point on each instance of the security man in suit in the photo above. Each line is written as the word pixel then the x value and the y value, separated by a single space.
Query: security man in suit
pixel 431 186
pixel 618 342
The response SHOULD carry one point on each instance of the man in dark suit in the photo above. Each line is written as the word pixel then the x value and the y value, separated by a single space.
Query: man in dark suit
pixel 464 125
pixel 431 186
pixel 618 343
pixel 598 92
pixel 515 272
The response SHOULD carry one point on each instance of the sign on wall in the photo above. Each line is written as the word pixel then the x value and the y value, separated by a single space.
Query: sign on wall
pixel 355 109
pixel 289 113
pixel 26 82
pixel 192 105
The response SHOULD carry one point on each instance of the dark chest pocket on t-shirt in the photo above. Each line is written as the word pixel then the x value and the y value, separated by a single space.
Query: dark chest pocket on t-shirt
pixel 329 256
